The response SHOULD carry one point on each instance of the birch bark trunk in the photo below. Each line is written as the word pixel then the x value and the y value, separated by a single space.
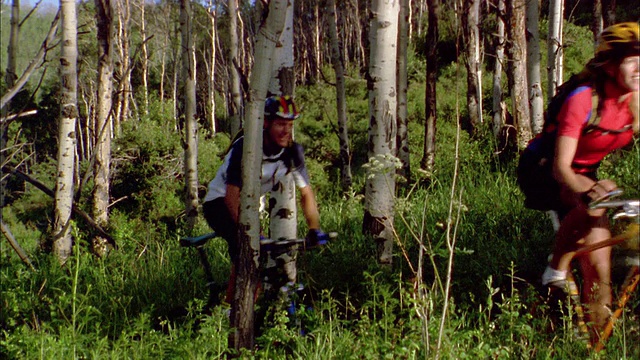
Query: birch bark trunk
pixel 102 128
pixel 402 139
pixel 517 60
pixel 429 146
pixel 237 105
pixel 242 310
pixel 343 133
pixel 536 102
pixel 63 199
pixel 380 184
pixel 554 47
pixel 189 114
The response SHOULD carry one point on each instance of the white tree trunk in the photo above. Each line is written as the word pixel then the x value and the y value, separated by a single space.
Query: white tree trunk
pixel 283 213
pixel 12 50
pixel 63 198
pixel 343 133
pixel 536 102
pixel 10 78
pixel 213 18
pixel 237 104
pixel 471 31
pixel 124 70
pixel 517 69
pixel 554 46
pixel 249 224
pixel 145 58
pixel 189 113
pixel 430 104
pixel 380 188
pixel 498 121
pixel 102 128
pixel 403 135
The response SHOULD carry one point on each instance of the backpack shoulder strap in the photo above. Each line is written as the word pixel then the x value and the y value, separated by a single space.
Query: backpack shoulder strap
pixel 594 117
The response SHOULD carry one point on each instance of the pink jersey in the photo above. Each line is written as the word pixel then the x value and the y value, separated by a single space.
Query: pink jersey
pixel 594 146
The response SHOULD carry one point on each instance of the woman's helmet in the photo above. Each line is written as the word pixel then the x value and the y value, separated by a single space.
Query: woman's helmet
pixel 618 41
pixel 280 107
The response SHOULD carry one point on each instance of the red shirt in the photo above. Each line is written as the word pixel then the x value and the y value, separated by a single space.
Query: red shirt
pixel 614 115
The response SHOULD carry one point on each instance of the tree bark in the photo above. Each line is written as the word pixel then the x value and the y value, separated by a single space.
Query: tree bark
pixel 597 21
pixel 343 133
pixel 63 200
pixel 380 188
pixel 471 21
pixel 145 58
pixel 429 148
pixel 211 66
pixel 536 102
pixel 402 140
pixel 283 222
pixel 554 47
pixel 189 114
pixel 10 78
pixel 517 60
pixel 609 13
pixel 242 310
pixel 498 120
pixel 237 104
pixel 124 68
pixel 102 127
pixel 11 75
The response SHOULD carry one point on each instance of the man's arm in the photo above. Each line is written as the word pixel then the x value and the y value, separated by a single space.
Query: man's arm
pixel 310 207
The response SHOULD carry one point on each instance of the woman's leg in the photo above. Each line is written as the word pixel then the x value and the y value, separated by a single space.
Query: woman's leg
pixel 581 227
pixel 596 271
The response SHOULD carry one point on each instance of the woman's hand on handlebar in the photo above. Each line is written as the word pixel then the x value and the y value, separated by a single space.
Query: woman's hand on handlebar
pixel 600 191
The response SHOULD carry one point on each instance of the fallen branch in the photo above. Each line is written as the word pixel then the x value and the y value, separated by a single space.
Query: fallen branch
pixel 14 244
pixel 75 208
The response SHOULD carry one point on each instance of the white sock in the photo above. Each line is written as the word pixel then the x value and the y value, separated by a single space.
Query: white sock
pixel 552 275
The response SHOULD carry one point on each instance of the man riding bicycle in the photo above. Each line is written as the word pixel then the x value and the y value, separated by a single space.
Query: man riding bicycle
pixel 281 156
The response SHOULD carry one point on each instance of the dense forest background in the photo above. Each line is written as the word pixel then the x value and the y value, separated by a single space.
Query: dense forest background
pixel 468 256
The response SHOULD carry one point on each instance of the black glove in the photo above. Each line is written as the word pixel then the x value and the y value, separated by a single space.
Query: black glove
pixel 316 237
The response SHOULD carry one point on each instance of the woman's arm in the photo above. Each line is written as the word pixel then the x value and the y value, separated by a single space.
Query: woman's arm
pixel 580 185
pixel 563 172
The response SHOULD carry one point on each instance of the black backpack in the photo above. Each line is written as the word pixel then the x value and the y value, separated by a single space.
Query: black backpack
pixel 535 177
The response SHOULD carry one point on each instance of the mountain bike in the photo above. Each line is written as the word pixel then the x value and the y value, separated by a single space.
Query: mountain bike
pixel 627 211
pixel 278 285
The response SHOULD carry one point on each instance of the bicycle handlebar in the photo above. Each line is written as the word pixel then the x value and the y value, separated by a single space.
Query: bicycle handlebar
pixel 628 208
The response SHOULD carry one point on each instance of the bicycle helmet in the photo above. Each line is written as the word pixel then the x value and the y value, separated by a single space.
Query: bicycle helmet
pixel 618 41
pixel 280 107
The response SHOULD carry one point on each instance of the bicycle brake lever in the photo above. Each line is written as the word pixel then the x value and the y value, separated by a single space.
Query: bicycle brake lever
pixel 629 211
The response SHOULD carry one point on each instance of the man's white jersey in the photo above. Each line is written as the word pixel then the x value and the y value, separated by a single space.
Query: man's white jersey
pixel 274 168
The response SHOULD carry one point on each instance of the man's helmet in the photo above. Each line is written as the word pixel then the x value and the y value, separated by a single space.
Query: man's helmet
pixel 280 107
pixel 618 41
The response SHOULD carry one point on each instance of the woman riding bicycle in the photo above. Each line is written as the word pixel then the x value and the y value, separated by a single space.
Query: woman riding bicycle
pixel 613 76
pixel 281 156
